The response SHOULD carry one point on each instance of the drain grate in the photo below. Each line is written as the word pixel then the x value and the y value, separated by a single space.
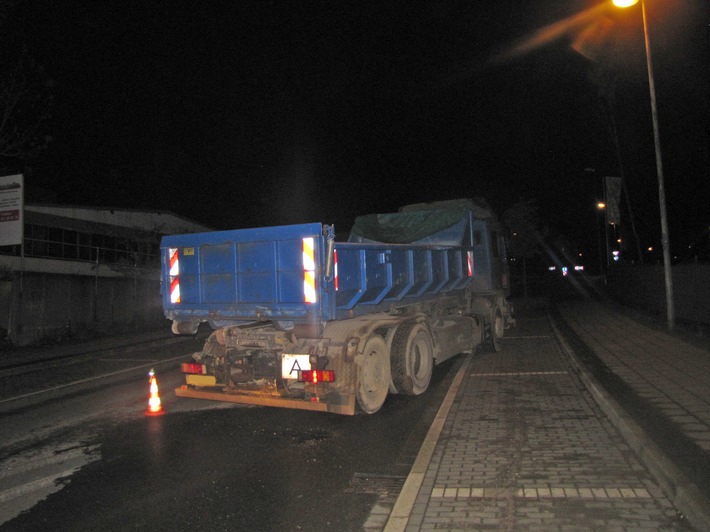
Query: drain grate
pixel 375 484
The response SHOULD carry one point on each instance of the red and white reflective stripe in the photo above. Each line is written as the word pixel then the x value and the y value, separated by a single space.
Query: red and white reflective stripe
pixel 174 276
pixel 335 267
pixel 174 265
pixel 470 263
pixel 175 290
pixel 309 270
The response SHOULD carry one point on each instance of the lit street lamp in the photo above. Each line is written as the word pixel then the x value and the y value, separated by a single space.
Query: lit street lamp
pixel 670 312
pixel 601 206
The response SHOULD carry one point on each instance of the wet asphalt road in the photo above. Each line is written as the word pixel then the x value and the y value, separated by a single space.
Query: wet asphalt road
pixel 204 465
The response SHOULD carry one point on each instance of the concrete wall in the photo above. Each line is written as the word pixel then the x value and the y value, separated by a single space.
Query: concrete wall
pixel 47 307
pixel 637 287
pixel 643 287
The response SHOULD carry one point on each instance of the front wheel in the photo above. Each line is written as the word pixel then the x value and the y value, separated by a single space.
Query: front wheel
pixel 374 376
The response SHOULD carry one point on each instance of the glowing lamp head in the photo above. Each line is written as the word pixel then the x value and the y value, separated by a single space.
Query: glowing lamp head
pixel 624 3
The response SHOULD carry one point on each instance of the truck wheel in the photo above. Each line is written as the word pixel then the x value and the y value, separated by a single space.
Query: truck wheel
pixel 495 329
pixel 412 358
pixel 374 376
pixel 184 327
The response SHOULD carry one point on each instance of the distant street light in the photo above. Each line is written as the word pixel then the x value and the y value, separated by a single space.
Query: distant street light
pixel 670 312
pixel 602 207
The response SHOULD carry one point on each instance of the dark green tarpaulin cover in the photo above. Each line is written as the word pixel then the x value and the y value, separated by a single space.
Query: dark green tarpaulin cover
pixel 415 222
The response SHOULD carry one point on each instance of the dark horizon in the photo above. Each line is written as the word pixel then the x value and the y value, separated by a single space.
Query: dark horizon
pixel 238 116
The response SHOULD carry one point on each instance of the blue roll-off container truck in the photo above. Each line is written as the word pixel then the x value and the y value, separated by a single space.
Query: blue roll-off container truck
pixel 302 321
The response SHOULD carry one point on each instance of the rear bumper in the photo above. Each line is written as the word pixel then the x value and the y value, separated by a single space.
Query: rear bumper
pixel 345 406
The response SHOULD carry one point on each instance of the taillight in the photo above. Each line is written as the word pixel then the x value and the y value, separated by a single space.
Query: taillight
pixel 193 369
pixel 316 375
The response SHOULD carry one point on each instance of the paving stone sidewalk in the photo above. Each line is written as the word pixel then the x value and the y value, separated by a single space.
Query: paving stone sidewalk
pixel 525 447
pixel 670 375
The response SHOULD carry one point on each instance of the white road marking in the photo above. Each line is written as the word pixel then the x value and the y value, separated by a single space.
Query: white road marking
pixel 477 492
pixel 517 373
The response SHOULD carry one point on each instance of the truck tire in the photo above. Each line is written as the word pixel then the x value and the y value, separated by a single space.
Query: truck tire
pixel 185 327
pixel 412 358
pixel 374 375
pixel 495 330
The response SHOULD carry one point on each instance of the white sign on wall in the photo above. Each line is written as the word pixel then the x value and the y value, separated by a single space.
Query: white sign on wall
pixel 11 209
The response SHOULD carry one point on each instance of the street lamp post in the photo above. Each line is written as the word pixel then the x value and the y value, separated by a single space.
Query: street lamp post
pixel 670 311
pixel 602 207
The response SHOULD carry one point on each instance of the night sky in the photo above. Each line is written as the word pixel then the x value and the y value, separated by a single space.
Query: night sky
pixel 241 114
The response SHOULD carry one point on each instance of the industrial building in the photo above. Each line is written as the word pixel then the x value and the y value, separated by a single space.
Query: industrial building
pixel 84 271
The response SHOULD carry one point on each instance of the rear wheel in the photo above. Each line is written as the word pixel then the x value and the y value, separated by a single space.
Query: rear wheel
pixel 412 358
pixel 374 376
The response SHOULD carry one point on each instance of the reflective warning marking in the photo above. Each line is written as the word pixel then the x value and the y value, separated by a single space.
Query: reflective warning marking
pixel 444 492
pixel 175 290
pixel 308 254
pixel 309 287
pixel 174 275
pixel 309 270
pixel 174 263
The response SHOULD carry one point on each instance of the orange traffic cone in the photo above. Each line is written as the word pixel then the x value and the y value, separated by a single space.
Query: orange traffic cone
pixel 155 408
